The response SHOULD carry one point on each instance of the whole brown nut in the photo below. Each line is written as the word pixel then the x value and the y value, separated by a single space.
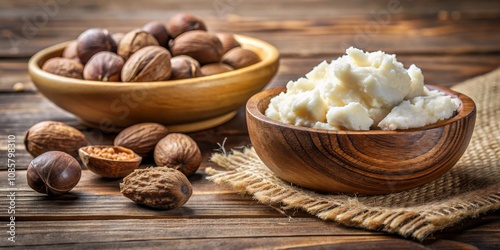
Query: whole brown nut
pixel 159 187
pixel 178 151
pixel 239 58
pixel 134 41
pixel 151 63
pixel 141 138
pixel 64 67
pixel 200 45
pixel 228 41
pixel 215 68
pixel 104 66
pixel 183 22
pixel 159 31
pixel 184 67
pixel 53 136
pixel 109 161
pixel 117 37
pixel 92 41
pixel 70 51
pixel 53 173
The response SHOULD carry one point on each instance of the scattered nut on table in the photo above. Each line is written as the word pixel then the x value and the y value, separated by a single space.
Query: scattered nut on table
pixel 158 187
pixel 178 151
pixel 141 138
pixel 53 136
pixel 53 173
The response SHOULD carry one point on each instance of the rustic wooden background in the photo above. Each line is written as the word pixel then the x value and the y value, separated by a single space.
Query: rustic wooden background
pixel 450 41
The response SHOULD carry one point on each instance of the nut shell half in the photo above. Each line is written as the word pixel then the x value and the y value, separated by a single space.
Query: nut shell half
pixel 106 166
pixel 151 63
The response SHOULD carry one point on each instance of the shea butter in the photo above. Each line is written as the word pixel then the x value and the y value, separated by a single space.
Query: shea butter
pixel 361 91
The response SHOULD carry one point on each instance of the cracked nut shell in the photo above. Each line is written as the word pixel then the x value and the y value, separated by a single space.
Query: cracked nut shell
pixel 53 173
pixel 159 187
pixel 109 161
pixel 53 136
pixel 64 67
pixel 134 41
pixel 178 151
pixel 184 67
pixel 151 63
pixel 141 138
pixel 104 66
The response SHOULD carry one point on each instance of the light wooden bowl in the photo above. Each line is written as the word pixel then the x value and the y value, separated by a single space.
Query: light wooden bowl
pixel 181 105
pixel 361 162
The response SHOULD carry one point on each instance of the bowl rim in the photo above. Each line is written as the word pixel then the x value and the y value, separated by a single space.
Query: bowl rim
pixel 467 108
pixel 271 56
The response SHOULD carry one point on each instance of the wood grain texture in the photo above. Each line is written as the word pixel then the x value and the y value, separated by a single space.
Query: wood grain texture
pixel 330 26
pixel 359 162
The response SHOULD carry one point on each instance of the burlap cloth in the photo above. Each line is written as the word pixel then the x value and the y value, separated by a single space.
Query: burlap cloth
pixel 469 189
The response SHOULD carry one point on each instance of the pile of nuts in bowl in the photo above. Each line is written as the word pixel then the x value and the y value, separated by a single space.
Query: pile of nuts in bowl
pixel 55 169
pixel 180 49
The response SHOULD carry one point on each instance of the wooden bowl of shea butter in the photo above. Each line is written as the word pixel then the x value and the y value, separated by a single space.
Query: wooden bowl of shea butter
pixel 359 162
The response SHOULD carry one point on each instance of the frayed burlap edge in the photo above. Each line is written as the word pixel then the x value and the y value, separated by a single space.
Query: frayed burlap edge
pixel 459 194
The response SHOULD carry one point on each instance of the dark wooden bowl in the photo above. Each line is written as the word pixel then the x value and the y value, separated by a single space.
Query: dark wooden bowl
pixel 361 162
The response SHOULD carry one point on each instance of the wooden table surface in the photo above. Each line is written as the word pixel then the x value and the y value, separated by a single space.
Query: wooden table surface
pixel 450 40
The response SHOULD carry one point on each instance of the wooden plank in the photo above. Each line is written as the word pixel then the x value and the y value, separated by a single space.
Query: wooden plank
pixel 326 26
pixel 228 233
pixel 98 198
pixel 311 242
